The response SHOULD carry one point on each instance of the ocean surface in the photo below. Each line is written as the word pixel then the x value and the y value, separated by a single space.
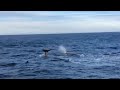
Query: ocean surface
pixel 90 56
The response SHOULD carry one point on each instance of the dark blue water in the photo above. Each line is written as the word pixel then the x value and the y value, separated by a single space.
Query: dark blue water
pixel 97 56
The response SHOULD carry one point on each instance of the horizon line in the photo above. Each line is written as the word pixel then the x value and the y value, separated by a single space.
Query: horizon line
pixel 57 33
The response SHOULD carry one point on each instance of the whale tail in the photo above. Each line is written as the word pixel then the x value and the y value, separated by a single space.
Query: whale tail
pixel 46 51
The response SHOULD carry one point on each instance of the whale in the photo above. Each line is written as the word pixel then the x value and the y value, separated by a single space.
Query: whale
pixel 46 50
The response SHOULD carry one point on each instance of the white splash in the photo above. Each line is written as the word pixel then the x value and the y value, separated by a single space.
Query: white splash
pixel 62 49
pixel 74 60
pixel 41 55
pixel 82 55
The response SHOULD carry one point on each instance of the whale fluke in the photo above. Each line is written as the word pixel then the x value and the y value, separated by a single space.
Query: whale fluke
pixel 46 51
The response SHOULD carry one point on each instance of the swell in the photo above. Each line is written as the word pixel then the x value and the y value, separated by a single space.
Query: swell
pixel 19 55
pixel 8 64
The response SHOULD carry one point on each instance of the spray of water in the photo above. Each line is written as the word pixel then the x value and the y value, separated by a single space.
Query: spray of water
pixel 41 55
pixel 62 49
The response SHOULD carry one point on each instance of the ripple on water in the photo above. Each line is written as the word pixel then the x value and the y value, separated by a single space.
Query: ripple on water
pixel 4 76
pixel 42 71
pixel 8 64
pixel 19 55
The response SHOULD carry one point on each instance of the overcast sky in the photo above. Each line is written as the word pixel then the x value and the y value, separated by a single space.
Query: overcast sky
pixel 44 22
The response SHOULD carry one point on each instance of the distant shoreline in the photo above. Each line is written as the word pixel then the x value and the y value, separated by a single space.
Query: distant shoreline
pixel 57 33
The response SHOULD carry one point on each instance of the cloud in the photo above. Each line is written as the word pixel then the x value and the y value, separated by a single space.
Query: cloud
pixel 24 22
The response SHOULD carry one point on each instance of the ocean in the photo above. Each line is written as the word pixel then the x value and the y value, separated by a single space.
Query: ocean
pixel 90 56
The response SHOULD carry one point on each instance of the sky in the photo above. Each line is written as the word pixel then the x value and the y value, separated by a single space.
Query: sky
pixel 50 22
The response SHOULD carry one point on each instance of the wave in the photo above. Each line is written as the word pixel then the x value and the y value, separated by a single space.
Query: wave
pixel 112 53
pixel 75 60
pixel 19 55
pixel 107 47
pixel 43 71
pixel 29 50
pixel 4 53
pixel 8 64
pixel 4 76
pixel 9 45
